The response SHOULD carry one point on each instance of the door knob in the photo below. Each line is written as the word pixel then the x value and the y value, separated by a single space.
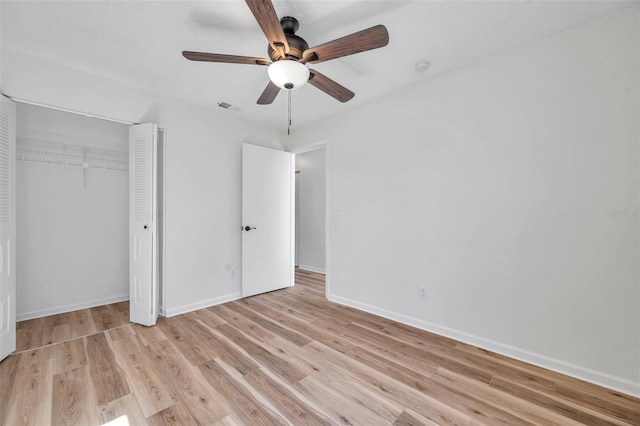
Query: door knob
pixel 248 228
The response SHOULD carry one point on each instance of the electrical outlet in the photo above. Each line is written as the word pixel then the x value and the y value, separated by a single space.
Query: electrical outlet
pixel 422 293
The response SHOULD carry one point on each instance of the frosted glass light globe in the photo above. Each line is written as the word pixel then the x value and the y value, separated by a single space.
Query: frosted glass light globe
pixel 288 74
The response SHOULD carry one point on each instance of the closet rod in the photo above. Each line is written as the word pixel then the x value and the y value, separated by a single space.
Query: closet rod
pixel 24 101
pixel 73 164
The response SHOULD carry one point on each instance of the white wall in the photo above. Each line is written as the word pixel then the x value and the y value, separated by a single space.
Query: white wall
pixel 203 170
pixel 310 219
pixel 492 186
pixel 72 239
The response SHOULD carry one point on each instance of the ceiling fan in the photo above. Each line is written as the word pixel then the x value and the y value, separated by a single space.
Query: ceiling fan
pixel 289 54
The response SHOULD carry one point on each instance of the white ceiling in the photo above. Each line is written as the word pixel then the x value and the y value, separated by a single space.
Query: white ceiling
pixel 139 43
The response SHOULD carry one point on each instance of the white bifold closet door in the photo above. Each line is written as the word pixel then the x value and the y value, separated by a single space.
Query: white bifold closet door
pixel 143 224
pixel 7 227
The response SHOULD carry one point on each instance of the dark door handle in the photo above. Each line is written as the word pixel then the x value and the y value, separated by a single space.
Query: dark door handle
pixel 145 227
pixel 248 228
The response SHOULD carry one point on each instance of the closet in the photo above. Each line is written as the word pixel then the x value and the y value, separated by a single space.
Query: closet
pixel 72 191
pixel 72 227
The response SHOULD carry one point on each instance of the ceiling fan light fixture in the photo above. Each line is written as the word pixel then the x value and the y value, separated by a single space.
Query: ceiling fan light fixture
pixel 288 74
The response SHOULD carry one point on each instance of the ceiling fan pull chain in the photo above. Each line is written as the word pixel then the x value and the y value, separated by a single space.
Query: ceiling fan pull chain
pixel 289 125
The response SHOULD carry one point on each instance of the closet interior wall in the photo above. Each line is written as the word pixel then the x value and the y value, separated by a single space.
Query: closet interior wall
pixel 72 212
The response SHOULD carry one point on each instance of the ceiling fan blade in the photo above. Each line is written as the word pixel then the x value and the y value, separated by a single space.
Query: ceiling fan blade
pixel 268 20
pixel 371 38
pixel 330 87
pixel 269 94
pixel 231 59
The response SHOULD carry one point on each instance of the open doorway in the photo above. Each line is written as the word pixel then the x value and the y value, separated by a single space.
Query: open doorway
pixel 310 209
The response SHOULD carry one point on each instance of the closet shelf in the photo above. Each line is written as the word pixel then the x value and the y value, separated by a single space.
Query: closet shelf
pixel 71 155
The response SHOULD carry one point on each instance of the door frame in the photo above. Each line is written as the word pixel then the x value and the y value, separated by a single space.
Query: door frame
pixel 162 288
pixel 301 149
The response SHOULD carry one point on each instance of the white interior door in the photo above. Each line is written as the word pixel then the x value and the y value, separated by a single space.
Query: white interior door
pixel 7 227
pixel 267 222
pixel 143 271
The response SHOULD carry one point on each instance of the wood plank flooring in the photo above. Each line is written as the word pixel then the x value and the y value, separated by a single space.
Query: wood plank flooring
pixel 286 357
pixel 32 334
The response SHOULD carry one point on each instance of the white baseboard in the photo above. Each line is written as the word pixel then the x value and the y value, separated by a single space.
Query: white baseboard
pixel 69 308
pixel 312 269
pixel 203 304
pixel 596 377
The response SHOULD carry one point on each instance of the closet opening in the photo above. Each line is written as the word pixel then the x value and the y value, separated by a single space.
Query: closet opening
pixel 72 215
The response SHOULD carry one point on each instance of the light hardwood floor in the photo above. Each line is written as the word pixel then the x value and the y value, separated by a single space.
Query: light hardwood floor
pixel 286 357
pixel 32 334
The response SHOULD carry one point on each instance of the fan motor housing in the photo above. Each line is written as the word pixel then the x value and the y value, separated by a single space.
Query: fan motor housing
pixel 297 45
